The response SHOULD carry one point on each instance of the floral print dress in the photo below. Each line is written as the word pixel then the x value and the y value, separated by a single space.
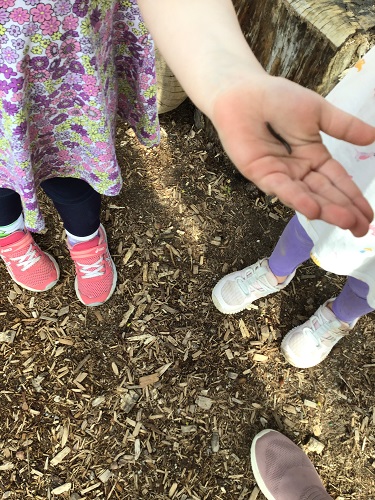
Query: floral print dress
pixel 337 250
pixel 67 67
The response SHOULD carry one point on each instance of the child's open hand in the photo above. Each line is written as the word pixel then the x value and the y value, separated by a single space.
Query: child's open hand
pixel 296 167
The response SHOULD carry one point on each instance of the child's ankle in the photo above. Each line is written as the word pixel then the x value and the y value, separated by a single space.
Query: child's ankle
pixel 17 225
pixel 280 279
pixel 74 240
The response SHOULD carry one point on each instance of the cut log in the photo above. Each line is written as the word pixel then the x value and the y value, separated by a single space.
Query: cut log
pixel 170 94
pixel 311 42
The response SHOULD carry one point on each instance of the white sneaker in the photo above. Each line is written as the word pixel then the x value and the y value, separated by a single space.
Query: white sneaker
pixel 310 343
pixel 236 291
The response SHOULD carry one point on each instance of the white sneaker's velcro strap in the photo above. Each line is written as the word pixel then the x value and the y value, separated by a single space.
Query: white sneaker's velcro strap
pixel 27 260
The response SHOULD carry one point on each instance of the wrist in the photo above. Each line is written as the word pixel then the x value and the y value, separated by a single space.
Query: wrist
pixel 236 91
pixel 228 79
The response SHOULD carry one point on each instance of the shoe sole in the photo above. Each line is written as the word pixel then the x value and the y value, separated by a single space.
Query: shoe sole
pixel 254 465
pixel 51 285
pixel 288 357
pixel 94 304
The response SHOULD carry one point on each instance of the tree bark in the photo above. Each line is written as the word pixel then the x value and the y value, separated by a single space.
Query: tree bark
pixel 311 42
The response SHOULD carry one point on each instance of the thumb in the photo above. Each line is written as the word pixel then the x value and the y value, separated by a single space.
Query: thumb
pixel 344 126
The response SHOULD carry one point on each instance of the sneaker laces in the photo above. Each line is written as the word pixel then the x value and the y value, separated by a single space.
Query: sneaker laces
pixel 247 284
pixel 323 331
pixel 92 270
pixel 28 259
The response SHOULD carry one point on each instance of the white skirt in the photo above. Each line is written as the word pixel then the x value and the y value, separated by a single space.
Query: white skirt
pixel 337 250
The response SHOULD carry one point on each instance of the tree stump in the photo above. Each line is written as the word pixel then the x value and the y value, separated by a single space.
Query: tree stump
pixel 170 94
pixel 311 42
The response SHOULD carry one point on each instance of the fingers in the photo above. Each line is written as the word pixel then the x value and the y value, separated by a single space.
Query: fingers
pixel 344 126
pixel 317 198
pixel 315 207
pixel 347 192
pixel 343 217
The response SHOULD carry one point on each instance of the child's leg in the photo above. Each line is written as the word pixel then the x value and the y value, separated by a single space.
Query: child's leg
pixel 11 218
pixel 77 203
pixel 293 248
pixel 351 303
pixel 26 263
pixel 79 207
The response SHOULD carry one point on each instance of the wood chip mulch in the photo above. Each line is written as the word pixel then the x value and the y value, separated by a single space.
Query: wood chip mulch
pixel 155 394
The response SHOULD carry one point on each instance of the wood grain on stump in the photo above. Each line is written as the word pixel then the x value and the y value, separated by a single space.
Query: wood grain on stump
pixel 311 42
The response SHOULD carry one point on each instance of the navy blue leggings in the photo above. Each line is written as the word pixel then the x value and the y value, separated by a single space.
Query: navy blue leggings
pixel 71 198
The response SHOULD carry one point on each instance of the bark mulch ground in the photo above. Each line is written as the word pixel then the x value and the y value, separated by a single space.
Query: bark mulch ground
pixel 155 394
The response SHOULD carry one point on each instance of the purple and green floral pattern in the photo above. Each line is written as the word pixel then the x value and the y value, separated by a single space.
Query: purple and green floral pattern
pixel 67 68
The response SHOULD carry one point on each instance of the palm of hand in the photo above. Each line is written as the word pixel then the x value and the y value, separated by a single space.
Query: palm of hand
pixel 307 179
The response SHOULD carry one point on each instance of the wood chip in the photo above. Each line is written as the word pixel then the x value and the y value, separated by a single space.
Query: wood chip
pixel 204 402
pixel 90 488
pixel 229 354
pixel 273 216
pixel 310 404
pixel 129 254
pixel 63 311
pixel 148 380
pixel 105 476
pixel 65 341
pixel 64 488
pixel 60 456
pixel 215 442
pixel 172 490
pixel 98 401
pixel 260 357
pixel 314 446
pixel 65 435
pixel 137 449
pixel 127 315
pixel 115 369
pixel 164 368
pixel 7 466
pixel 7 336
pixel 186 429
pixel 317 430
pixel 98 315
pixel 290 409
pixel 243 329
pixel 129 400
pixel 254 493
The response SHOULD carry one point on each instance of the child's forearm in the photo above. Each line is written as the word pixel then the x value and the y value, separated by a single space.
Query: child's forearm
pixel 203 44
pixel 270 127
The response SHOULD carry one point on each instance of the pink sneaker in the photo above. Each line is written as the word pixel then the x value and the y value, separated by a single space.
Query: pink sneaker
pixel 27 264
pixel 96 273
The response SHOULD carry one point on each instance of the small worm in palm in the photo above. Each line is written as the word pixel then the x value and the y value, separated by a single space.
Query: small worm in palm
pixel 279 138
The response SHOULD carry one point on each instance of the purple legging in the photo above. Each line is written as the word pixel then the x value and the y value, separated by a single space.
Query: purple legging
pixel 293 248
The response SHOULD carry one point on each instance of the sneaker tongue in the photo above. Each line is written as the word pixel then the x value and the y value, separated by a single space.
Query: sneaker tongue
pixel 328 313
pixel 86 245
pixel 271 278
pixel 12 238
